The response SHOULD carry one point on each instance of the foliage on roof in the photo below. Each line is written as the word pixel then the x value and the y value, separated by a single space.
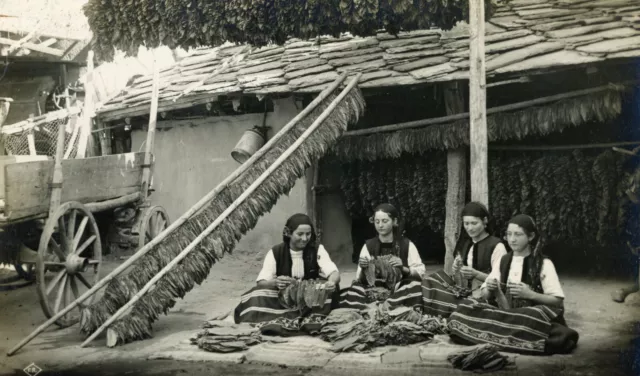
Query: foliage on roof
pixel 127 24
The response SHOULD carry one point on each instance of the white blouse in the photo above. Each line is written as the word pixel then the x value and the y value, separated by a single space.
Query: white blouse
pixel 269 269
pixel 548 276
pixel 413 259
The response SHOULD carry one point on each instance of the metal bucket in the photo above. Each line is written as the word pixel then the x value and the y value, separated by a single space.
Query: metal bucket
pixel 251 141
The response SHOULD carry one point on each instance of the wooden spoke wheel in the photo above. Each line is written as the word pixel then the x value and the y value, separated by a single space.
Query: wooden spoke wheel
pixel 71 251
pixel 155 220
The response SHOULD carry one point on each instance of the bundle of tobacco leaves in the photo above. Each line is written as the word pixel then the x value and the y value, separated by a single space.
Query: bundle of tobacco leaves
pixel 377 294
pixel 310 293
pixel 483 358
pixel 381 269
pixel 378 326
pixel 227 339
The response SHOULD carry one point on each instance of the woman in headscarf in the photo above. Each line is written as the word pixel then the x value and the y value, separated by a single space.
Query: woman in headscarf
pixel 475 253
pixel 298 257
pixel 530 300
pixel 388 242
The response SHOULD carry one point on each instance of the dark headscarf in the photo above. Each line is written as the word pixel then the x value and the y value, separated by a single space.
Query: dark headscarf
pixel 293 223
pixel 526 222
pixel 529 226
pixel 473 209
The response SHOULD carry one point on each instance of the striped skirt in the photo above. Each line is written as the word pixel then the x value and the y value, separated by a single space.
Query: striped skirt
pixel 262 305
pixel 529 330
pixel 440 296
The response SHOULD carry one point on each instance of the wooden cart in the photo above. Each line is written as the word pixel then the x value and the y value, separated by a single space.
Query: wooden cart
pixel 48 204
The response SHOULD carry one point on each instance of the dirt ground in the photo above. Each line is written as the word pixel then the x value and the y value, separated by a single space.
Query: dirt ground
pixel 606 330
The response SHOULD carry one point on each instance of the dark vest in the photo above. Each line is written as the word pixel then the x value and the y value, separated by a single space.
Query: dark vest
pixel 284 262
pixel 505 267
pixel 377 249
pixel 482 252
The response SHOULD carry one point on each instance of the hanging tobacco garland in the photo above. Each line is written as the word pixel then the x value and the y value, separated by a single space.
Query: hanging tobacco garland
pixel 128 24
pixel 503 126
pixel 577 197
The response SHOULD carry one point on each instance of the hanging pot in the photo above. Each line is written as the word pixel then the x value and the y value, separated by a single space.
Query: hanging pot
pixel 251 141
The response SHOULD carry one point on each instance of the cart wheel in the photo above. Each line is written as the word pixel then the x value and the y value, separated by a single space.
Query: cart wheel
pixel 155 220
pixel 70 248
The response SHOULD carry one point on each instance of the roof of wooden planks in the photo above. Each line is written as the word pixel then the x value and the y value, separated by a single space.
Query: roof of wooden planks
pixel 524 35
pixel 54 31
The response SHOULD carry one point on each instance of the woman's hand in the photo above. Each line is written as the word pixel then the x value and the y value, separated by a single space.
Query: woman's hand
pixel 283 281
pixel 492 284
pixel 468 272
pixel 329 285
pixel 364 263
pixel 520 290
pixel 395 262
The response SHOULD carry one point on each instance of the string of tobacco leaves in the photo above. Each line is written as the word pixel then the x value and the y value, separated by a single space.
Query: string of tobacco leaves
pixel 127 24
pixel 577 197
pixel 196 266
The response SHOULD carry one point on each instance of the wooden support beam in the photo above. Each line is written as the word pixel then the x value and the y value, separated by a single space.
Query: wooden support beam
pixel 56 181
pixel 151 131
pixel 478 105
pixel 34 47
pixel 456 178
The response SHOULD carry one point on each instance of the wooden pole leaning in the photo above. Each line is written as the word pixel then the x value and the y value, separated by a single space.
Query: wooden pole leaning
pixel 284 156
pixel 151 131
pixel 194 209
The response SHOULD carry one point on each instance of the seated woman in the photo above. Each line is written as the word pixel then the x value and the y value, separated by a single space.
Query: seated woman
pixel 475 253
pixel 297 257
pixel 526 288
pixel 388 242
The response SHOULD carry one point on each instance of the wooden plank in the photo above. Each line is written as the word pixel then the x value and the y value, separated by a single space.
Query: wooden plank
pixel 512 44
pixel 413 47
pixel 612 46
pixel 354 60
pixel 396 43
pixel 422 63
pixel 397 58
pixel 122 112
pixel 391 81
pixel 522 54
pixel 367 66
pixel 304 64
pixel 309 71
pixel 625 54
pixel 9 159
pixel 478 105
pixel 566 33
pixel 436 70
pixel 353 44
pixel 85 180
pixel 313 80
pixel 624 32
pixel 34 47
pixel 554 59
pixel 351 53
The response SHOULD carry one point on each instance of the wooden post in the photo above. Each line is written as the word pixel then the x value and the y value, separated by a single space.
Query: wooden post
pixel 478 105
pixel 456 178
pixel 31 140
pixel 87 114
pixel 105 137
pixel 56 181
pixel 312 198
pixel 151 131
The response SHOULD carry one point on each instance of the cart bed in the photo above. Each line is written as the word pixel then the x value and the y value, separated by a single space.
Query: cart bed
pixel 25 186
